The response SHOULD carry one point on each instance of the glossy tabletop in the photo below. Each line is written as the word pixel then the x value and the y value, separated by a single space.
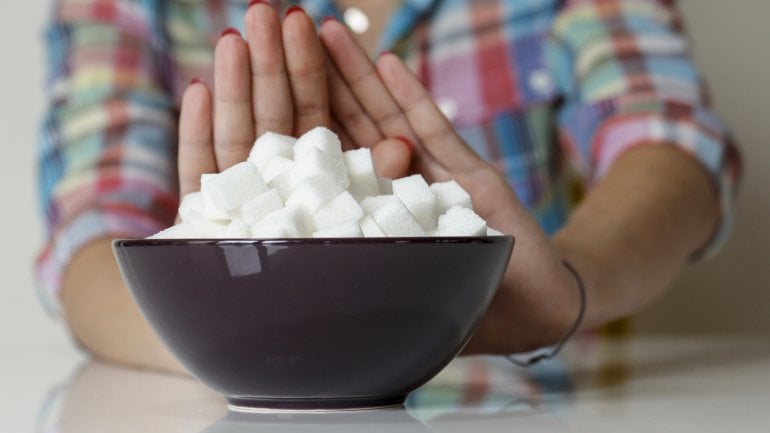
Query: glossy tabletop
pixel 642 384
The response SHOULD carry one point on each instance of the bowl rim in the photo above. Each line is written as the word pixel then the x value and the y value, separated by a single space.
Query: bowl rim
pixel 317 241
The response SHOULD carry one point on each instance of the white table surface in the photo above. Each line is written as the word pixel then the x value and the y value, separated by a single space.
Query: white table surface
pixel 651 384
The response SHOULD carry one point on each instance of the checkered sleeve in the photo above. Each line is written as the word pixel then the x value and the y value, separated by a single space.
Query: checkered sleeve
pixel 108 139
pixel 629 81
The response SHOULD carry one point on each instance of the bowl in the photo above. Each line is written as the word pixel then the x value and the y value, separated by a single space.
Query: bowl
pixel 314 324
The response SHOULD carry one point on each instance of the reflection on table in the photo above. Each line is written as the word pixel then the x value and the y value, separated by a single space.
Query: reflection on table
pixel 699 384
pixel 484 391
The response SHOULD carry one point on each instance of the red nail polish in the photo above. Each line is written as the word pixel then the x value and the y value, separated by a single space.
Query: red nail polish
pixel 197 80
pixel 253 2
pixel 293 9
pixel 406 141
pixel 230 31
pixel 329 18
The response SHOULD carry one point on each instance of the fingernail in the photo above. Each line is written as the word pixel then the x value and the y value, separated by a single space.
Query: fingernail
pixel 382 53
pixel 293 9
pixel 197 80
pixel 329 18
pixel 406 141
pixel 230 31
pixel 253 2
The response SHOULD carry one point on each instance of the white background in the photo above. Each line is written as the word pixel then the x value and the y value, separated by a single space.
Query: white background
pixel 21 106
pixel 727 294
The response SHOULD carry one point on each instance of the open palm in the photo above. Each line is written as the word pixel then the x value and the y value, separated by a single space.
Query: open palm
pixel 286 78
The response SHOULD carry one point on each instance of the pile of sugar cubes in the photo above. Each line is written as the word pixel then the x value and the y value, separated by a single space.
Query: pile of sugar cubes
pixel 309 187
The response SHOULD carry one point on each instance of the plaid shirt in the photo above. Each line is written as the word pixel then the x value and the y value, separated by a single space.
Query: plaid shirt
pixel 543 88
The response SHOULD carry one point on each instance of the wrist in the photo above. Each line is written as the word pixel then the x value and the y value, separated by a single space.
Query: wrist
pixel 546 353
pixel 564 310
pixel 532 309
pixel 583 261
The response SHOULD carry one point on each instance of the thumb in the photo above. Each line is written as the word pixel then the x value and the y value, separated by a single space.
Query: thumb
pixel 392 157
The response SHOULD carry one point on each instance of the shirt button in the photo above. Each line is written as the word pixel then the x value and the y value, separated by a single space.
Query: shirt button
pixel 448 106
pixel 541 82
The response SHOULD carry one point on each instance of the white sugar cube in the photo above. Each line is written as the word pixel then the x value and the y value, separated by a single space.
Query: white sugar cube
pixel 295 216
pixel 277 165
pixel 461 221
pixel 363 181
pixel 448 195
pixel 395 220
pixel 268 146
pixel 235 214
pixel 315 162
pixel 349 229
pixel 371 204
pixel 493 232
pixel 208 209
pixel 343 208
pixel 418 198
pixel 206 177
pixel 236 185
pixel 326 193
pixel 255 209
pixel 205 228
pixel 319 138
pixel 283 183
pixel 191 206
pixel 183 230
pixel 385 185
pixel 278 229
pixel 369 228
pixel 236 230
pixel 313 193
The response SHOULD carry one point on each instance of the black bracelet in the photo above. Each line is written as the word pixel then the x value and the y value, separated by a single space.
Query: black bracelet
pixel 538 357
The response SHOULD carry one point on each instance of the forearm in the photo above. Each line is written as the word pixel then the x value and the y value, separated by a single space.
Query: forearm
pixel 103 317
pixel 637 228
pixel 106 161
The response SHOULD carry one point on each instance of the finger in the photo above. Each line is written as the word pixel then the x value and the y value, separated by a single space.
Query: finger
pixel 233 123
pixel 346 109
pixel 347 142
pixel 431 127
pixel 271 96
pixel 360 75
pixel 392 157
pixel 196 146
pixel 307 71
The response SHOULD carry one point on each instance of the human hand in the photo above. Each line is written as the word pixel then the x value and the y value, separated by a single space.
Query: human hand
pixel 273 80
pixel 538 299
pixel 278 79
pixel 257 88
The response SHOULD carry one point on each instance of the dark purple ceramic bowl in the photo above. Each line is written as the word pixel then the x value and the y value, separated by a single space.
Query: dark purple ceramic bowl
pixel 314 323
